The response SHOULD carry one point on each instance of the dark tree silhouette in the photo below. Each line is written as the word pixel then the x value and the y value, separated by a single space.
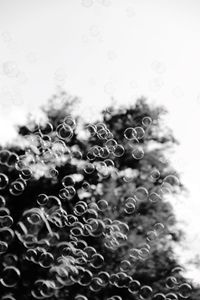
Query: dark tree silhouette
pixel 85 212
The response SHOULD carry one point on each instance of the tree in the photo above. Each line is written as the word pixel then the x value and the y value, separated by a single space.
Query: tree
pixel 85 207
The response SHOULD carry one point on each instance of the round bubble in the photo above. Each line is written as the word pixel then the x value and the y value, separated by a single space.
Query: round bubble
pixel 26 173
pixel 3 181
pixel 171 282
pixel 138 152
pixel 129 207
pixel 141 194
pixel 42 199
pixel 159 228
pixel 140 133
pixel 130 134
pixel 45 129
pixel 155 197
pixel 80 208
pixel 145 292
pixel 86 186
pixel 17 187
pixel 70 192
pixel 134 286
pixel 111 144
pixel 46 260
pixel 166 188
pixel 10 260
pixel 172 180
pixel 118 151
pixel 86 279
pixel 68 120
pixel 52 172
pixel 7 235
pixel 89 168
pixel 125 266
pixel 10 276
pixel 64 132
pixel 97 261
pixel 146 121
pixel 151 236
pixel 34 219
pixel 6 221
pixel 104 152
pixel 68 181
pixel 64 194
pixel 155 174
pixel 144 252
pixel 103 134
pixel 102 205
pixel 185 290
pixel 91 155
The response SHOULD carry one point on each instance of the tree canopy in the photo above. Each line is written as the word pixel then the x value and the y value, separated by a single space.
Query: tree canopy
pixel 84 208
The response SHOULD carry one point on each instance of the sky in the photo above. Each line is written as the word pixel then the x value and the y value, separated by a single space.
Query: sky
pixel 103 49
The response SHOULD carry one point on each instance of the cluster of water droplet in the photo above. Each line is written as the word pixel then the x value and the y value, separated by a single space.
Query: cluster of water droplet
pixel 56 239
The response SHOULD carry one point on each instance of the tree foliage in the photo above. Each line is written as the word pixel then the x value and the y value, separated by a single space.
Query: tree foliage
pixel 85 209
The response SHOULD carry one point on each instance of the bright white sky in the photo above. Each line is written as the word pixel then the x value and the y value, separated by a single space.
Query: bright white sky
pixel 98 49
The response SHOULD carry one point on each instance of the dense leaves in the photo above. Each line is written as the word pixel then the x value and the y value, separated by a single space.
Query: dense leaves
pixel 97 194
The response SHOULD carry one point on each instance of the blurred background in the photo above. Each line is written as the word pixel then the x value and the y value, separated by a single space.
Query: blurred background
pixel 110 52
